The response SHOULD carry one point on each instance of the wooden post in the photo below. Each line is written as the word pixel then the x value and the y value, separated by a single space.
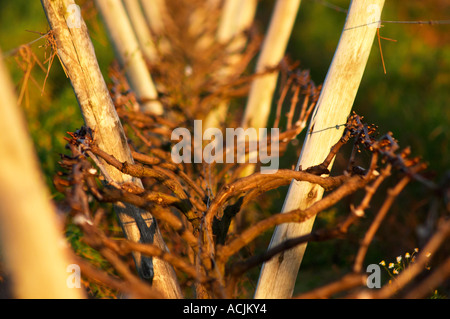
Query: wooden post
pixel 77 55
pixel 236 16
pixel 277 278
pixel 156 14
pixel 33 245
pixel 259 102
pixel 129 53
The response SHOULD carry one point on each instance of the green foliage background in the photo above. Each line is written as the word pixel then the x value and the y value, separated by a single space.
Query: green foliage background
pixel 411 100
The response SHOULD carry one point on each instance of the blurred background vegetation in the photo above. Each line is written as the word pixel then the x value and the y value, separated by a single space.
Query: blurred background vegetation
pixel 411 100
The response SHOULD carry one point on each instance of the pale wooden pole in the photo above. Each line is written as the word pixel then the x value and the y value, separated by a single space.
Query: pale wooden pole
pixel 129 53
pixel 240 19
pixel 278 276
pixel 261 93
pixel 32 242
pixel 156 15
pixel 77 55
pixel 141 30
pixel 260 97
pixel 237 16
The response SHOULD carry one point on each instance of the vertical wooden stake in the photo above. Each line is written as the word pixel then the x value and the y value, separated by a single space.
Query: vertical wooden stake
pixel 260 98
pixel 141 30
pixel 129 53
pixel 156 14
pixel 33 246
pixel 278 276
pixel 155 10
pixel 259 102
pixel 76 52
pixel 237 16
